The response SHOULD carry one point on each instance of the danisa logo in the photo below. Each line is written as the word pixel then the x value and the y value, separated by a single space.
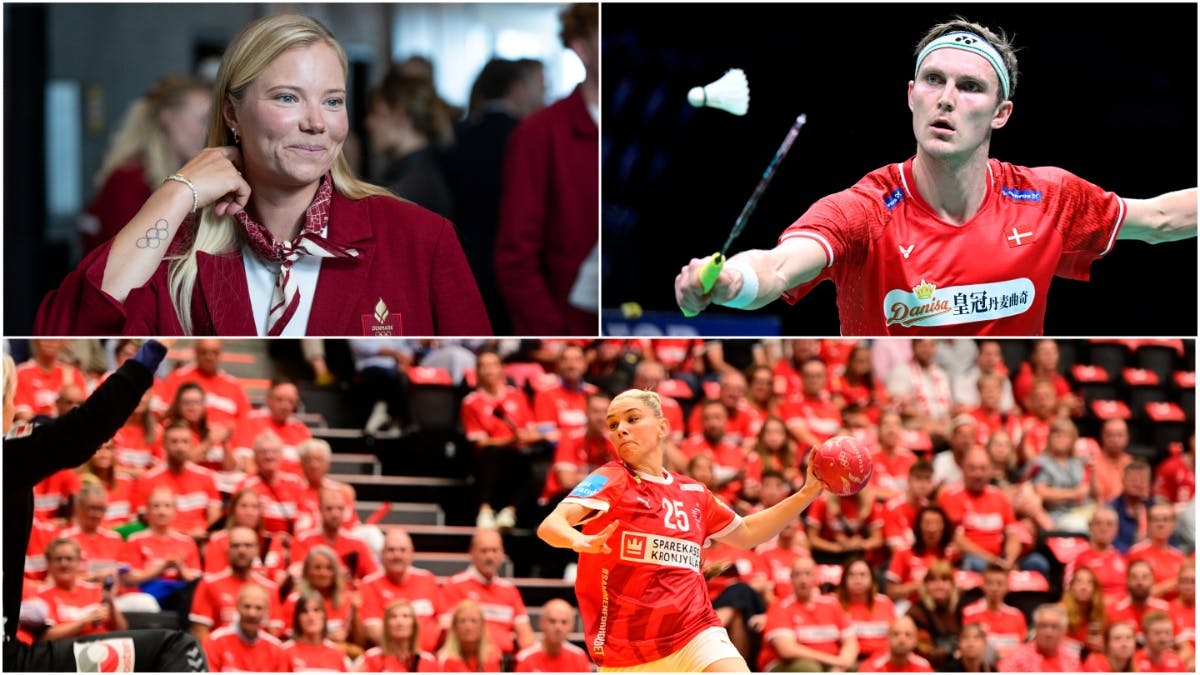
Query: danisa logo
pixel 927 305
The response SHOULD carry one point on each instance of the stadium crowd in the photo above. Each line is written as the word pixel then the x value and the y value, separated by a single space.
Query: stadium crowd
pixel 1014 520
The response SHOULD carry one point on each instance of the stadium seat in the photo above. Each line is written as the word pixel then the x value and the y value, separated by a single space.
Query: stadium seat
pixel 1111 356
pixel 1160 358
pixel 1110 408
pixel 1014 353
pixel 432 401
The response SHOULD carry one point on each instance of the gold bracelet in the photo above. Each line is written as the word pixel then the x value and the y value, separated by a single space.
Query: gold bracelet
pixel 195 193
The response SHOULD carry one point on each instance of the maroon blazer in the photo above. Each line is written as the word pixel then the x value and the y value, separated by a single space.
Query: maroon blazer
pixel 410 265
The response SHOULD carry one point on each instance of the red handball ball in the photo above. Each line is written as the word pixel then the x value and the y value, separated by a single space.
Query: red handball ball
pixel 843 464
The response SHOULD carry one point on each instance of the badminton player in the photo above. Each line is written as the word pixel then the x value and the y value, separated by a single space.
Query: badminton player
pixel 949 242
pixel 642 596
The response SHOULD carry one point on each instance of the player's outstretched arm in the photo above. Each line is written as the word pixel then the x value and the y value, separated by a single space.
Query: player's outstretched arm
pixel 792 262
pixel 757 528
pixel 558 530
pixel 1167 217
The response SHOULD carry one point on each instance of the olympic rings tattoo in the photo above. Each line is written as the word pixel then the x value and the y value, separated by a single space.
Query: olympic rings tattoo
pixel 156 235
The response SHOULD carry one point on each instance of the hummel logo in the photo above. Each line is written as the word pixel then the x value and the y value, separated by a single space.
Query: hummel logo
pixel 905 251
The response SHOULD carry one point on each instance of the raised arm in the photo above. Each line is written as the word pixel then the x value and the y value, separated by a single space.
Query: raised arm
pixel 1167 217
pixel 139 247
pixel 794 261
pixel 558 530
pixel 759 527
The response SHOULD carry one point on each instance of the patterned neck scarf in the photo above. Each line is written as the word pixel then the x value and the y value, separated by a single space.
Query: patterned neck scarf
pixel 286 297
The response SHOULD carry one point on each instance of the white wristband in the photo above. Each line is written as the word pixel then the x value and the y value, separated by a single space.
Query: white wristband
pixel 749 292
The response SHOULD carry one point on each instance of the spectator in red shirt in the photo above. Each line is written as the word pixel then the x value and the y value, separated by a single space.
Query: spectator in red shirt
pixel 246 645
pixel 985 521
pixel 921 388
pixel 225 400
pixel 1117 655
pixel 892 460
pixel 1083 599
pixel 777 452
pixel 1109 464
pixel 738 585
pixel 808 632
pixel 101 547
pixel 1164 559
pixel 901 512
pixel 498 420
pixel 989 415
pixel 1101 557
pixel 118 487
pixel 75 607
pixel 1158 655
pixel 160 552
pixel 839 528
pixel 399 580
pixel 760 391
pixel 279 416
pixel 742 421
pixel 357 560
pixel 1043 364
pixel 1046 652
pixel 467 647
pixel 40 379
pixel 322 574
pixel 279 492
pixel 858 385
pixel 553 654
pixel 899 656
pixel 212 441
pixel 1183 611
pixel 195 489
pixel 871 612
pixel 1175 477
pixel 580 451
pixel 972 655
pixel 316 458
pixel 735 471
pixel 811 416
pixel 507 621
pixel 934 541
pixel 564 408
pixel 1004 624
pixel 399 644
pixel 309 650
pixel 245 510
pixel 214 601
pixel 139 442
pixel 1138 602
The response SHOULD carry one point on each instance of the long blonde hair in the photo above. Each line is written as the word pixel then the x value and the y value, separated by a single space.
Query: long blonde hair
pixel 141 134
pixel 250 53
pixel 453 648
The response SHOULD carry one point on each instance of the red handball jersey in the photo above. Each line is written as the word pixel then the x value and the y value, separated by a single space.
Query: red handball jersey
pixel 902 271
pixel 646 598
pixel 882 663
pixel 375 661
pixel 569 659
pixel 1110 568
pixel 101 550
pixel 120 502
pixel 1005 628
pixel 561 409
pixel 420 589
pixel 37 389
pixel 983 518
pixel 40 537
pixel 68 606
pixel 195 489
pixel 308 506
pixel 229 652
pixel 323 658
pixel 1168 662
pixel 1166 561
pixel 214 603
pixel 500 599
pixel 357 559
pixel 485 416
pixel 135 454
pixel 820 416
pixel 292 432
pixel 817 624
pixel 1125 611
pixel 1184 617
pixel 871 623
pixel 279 499
pixel 744 422
pixel 225 400
pixel 145 548
pixel 52 494
pixel 579 452
pixel 216 554
pixel 1174 480
pixel 337 618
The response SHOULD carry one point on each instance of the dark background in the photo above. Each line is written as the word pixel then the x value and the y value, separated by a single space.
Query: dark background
pixel 1106 91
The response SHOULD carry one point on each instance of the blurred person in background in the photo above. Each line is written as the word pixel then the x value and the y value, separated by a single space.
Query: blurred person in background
pixel 548 212
pixel 408 125
pixel 160 131
pixel 1083 599
pixel 1117 655
pixel 309 650
pixel 399 644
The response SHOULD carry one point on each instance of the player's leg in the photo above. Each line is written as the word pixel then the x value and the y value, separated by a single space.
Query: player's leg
pixel 727 666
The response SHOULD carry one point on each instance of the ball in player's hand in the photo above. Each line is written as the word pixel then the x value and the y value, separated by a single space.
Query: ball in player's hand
pixel 844 464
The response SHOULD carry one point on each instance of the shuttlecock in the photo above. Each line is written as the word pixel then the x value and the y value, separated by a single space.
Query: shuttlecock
pixel 731 93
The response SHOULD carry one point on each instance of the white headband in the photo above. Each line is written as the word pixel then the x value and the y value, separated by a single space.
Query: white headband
pixel 969 42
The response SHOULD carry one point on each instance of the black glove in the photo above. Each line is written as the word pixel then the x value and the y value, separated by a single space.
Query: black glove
pixel 151 354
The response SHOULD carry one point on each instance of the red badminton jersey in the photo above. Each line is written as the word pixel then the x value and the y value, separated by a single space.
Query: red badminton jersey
pixel 646 599
pixel 900 270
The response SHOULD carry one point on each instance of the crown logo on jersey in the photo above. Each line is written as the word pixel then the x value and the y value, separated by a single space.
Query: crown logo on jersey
pixel 924 290
pixel 634 545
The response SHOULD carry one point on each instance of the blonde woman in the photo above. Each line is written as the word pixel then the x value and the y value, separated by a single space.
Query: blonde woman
pixel 161 130
pixel 399 650
pixel 467 647
pixel 278 236
pixel 322 574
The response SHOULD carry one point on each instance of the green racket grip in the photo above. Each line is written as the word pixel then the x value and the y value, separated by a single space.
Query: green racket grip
pixel 708 275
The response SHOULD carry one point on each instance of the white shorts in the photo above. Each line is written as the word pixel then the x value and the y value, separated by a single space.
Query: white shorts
pixel 709 646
